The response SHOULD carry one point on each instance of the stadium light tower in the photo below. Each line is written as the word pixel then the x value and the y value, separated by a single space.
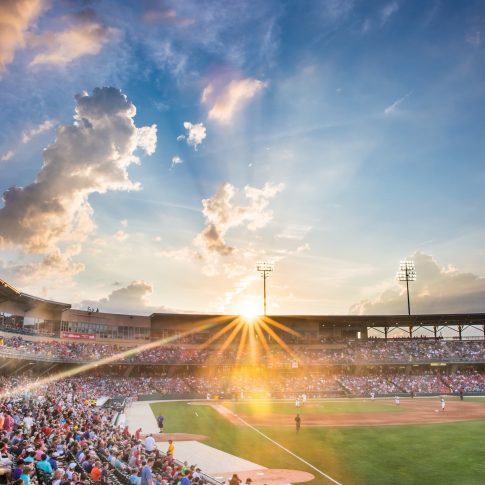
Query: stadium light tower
pixel 264 268
pixel 407 273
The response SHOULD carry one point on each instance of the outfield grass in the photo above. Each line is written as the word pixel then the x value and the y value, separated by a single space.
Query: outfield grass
pixel 251 408
pixel 441 454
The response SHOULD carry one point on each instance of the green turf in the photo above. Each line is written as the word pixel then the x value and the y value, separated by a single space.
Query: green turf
pixel 266 407
pixel 441 454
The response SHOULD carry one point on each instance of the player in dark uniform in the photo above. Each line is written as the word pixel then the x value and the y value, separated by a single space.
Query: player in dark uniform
pixel 298 423
pixel 160 421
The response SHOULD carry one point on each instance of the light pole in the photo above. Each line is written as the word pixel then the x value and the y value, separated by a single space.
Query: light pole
pixel 407 273
pixel 264 268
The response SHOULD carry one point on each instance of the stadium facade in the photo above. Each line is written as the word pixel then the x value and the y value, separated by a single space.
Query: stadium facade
pixel 30 313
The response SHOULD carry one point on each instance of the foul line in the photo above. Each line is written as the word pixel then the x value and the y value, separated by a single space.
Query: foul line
pixel 288 451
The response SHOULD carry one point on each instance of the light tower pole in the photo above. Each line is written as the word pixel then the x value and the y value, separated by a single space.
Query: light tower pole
pixel 264 268
pixel 407 273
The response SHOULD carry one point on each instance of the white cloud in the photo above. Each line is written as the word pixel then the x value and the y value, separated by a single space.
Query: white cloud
pixel 303 248
pixel 124 223
pixel 388 11
pixel 436 290
pixel 59 48
pixel 294 231
pixel 15 18
pixel 235 270
pixel 392 108
pixel 90 156
pixel 176 160
pixel 183 254
pixel 196 134
pixel 240 286
pixel 55 262
pixel 338 9
pixel 147 138
pixel 221 215
pixel 120 236
pixel 224 101
pixel 166 16
pixel 7 156
pixel 474 38
pixel 131 299
pixel 27 135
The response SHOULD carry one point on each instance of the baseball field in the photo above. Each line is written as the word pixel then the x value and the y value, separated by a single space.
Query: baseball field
pixel 345 441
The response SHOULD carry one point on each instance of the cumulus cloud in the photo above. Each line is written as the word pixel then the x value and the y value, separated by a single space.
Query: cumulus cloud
pixel 56 262
pixel 196 134
pixel 15 18
pixel 437 289
pixel 224 101
pixel 86 36
pixel 129 299
pixel 27 135
pixel 90 156
pixel 176 160
pixel 221 215
pixel 147 138
pixel 7 156
pixel 392 108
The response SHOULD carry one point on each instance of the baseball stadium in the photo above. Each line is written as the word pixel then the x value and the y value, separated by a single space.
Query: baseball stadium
pixel 273 399
pixel 160 160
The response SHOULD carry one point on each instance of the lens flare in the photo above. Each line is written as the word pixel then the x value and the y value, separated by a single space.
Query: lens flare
pixel 249 312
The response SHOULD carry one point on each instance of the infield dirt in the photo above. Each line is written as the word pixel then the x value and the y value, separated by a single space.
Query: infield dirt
pixel 414 411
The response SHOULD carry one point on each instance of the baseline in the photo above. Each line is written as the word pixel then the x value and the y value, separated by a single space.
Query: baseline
pixel 328 477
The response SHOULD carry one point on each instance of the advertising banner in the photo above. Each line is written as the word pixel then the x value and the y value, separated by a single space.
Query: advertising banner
pixel 79 336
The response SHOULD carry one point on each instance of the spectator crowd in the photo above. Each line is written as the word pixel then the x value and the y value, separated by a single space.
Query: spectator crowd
pixel 350 352
pixel 55 434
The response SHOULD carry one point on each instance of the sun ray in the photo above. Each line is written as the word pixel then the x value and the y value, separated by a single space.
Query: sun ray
pixel 111 359
pixel 242 342
pixel 253 351
pixel 232 335
pixel 281 326
pixel 262 339
pixel 220 333
pixel 278 339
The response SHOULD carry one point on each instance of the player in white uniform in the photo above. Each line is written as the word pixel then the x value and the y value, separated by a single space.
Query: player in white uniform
pixel 297 402
pixel 397 400
pixel 372 395
pixel 443 403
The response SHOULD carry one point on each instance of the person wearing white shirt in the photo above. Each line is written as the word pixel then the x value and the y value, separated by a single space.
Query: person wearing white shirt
pixel 149 443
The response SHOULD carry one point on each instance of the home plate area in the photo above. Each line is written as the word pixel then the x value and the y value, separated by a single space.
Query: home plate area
pixel 222 465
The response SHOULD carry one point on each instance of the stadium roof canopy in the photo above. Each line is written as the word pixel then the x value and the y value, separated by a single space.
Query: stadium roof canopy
pixel 10 297
pixel 445 319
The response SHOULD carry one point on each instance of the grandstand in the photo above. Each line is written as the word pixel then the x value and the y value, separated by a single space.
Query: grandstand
pixel 72 358
pixel 188 347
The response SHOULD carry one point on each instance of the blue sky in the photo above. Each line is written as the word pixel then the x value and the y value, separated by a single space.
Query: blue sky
pixel 334 138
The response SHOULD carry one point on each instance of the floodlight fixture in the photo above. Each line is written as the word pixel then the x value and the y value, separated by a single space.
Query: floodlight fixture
pixel 264 268
pixel 407 273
